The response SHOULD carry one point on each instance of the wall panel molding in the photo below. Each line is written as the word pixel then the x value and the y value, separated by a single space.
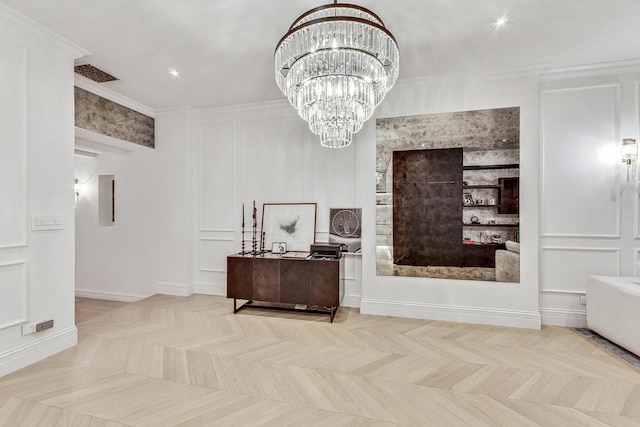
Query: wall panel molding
pixel 213 253
pixel 13 293
pixel 13 145
pixel 580 126
pixel 215 153
pixel 564 268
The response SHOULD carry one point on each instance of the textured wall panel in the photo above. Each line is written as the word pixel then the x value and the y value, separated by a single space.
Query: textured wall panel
pixel 13 293
pixel 13 145
pixel 106 117
pixel 216 160
pixel 566 268
pixel 580 128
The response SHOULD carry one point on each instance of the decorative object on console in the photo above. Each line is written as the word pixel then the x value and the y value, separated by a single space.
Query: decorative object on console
pixel 326 250
pixel 345 228
pixel 291 223
pixel 279 248
pixel 335 65
pixel 254 234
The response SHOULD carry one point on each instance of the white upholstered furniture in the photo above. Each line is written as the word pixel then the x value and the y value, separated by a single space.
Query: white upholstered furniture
pixel 613 309
pixel 508 263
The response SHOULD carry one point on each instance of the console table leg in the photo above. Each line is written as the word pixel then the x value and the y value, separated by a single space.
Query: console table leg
pixel 237 309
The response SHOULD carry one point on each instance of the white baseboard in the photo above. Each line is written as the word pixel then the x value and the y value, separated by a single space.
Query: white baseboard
pixel 447 313
pixel 351 300
pixel 176 289
pixel 35 351
pixel 110 295
pixel 206 288
pixel 563 317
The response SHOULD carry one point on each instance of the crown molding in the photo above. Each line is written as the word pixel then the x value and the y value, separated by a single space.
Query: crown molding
pixel 97 89
pixel 15 18
pixel 592 70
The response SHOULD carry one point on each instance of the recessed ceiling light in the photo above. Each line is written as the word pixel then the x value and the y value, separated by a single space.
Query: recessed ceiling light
pixel 174 72
pixel 501 21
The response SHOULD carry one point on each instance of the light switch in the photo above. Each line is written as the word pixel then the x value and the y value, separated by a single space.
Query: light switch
pixel 47 222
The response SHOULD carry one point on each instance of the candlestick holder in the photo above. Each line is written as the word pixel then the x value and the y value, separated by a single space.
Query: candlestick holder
pixel 254 234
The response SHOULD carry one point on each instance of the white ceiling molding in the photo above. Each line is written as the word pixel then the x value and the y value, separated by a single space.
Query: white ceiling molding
pixel 592 70
pixel 97 144
pixel 98 89
pixel 13 17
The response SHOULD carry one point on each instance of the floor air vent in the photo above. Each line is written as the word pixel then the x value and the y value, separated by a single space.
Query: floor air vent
pixel 93 73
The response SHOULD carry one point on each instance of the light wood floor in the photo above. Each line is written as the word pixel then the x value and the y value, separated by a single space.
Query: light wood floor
pixel 190 361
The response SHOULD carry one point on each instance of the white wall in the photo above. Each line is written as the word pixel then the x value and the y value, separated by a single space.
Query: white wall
pixel 36 178
pixel 589 215
pixel 264 154
pixel 149 246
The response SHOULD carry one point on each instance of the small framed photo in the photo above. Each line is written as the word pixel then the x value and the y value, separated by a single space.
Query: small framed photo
pixel 467 198
pixel 278 247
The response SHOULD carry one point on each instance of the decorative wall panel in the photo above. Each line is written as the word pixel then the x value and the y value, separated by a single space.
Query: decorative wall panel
pixel 580 133
pixel 566 268
pixel 216 176
pixel 103 116
pixel 273 153
pixel 13 293
pixel 210 250
pixel 13 145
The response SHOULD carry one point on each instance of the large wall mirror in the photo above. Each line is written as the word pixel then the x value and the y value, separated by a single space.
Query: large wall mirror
pixel 448 195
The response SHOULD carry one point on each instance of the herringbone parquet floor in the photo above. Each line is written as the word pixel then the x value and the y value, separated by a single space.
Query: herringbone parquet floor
pixel 167 361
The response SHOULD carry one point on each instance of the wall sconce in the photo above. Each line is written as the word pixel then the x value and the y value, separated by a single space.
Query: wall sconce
pixel 629 151
pixel 77 188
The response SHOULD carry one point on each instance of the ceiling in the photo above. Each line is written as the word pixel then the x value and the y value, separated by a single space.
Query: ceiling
pixel 224 49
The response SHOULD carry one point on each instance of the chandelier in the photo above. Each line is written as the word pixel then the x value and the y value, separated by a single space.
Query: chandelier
pixel 335 65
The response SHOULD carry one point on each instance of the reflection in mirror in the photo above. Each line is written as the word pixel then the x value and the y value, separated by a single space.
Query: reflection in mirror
pixel 448 195
pixel 106 200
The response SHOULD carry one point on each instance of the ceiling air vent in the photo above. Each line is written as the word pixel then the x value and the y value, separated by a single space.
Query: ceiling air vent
pixel 93 73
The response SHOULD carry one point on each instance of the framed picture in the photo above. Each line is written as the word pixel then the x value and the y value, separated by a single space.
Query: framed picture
pixel 345 227
pixel 291 223
pixel 279 247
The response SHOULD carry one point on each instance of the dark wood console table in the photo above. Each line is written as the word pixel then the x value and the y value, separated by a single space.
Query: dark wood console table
pixel 304 284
